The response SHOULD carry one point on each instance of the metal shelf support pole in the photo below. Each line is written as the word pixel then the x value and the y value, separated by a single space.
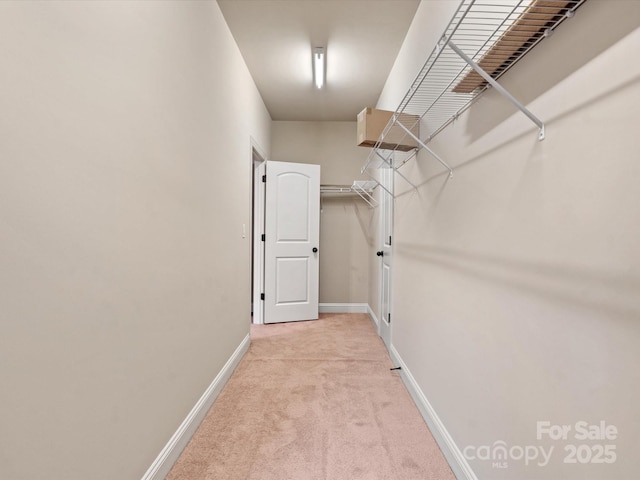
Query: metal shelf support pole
pixel 423 145
pixel 413 154
pixel 499 88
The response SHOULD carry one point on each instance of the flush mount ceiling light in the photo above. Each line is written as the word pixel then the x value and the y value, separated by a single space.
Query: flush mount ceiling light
pixel 318 66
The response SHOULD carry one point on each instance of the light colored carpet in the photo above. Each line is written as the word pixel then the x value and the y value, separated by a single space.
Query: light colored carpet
pixel 313 401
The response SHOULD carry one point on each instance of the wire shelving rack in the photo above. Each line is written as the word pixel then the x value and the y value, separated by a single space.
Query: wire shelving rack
pixel 483 40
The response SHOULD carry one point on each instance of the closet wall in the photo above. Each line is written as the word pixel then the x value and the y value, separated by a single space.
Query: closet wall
pixel 516 282
pixel 345 221
pixel 124 183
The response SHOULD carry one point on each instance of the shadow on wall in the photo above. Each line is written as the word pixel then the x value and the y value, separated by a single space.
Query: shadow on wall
pixel 365 215
pixel 598 26
pixel 610 292
pixel 367 218
pixel 424 160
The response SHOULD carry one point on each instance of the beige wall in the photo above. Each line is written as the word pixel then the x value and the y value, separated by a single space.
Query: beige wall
pixel 345 221
pixel 124 183
pixel 516 282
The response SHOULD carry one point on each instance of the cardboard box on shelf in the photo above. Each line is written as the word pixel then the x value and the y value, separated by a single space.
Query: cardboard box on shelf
pixel 371 123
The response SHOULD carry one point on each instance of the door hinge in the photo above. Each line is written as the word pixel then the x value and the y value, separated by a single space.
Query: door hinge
pixel 389 239
pixel 389 317
pixel 262 296
pixel 264 237
pixel 264 179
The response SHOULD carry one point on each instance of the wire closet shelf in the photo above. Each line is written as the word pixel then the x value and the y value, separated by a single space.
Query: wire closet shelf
pixel 362 188
pixel 483 40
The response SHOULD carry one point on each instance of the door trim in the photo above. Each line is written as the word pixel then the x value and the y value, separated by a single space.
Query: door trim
pixel 258 158
pixel 259 192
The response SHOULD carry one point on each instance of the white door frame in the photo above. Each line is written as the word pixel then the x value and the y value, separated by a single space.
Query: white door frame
pixel 257 258
pixel 258 244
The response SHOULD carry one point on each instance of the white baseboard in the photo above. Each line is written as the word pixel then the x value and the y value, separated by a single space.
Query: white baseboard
pixel 343 307
pixel 373 317
pixel 452 453
pixel 349 308
pixel 172 450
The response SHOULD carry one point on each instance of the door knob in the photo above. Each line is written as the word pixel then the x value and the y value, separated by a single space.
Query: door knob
pixel 380 253
pixel 315 250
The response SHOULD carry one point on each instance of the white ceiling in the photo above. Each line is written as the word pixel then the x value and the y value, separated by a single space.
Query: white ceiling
pixel 361 37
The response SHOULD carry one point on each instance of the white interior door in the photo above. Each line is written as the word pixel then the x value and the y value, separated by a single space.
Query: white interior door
pixel 385 252
pixel 292 235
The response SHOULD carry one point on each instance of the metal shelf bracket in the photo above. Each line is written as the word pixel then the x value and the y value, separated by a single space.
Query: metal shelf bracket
pixel 423 145
pixel 390 164
pixel 364 189
pixel 503 91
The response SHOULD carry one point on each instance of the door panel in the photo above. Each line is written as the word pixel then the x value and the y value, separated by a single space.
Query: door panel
pixel 386 232
pixel 291 278
pixel 292 232
pixel 293 217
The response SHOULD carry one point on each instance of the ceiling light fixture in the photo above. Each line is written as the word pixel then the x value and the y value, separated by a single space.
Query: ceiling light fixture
pixel 318 66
